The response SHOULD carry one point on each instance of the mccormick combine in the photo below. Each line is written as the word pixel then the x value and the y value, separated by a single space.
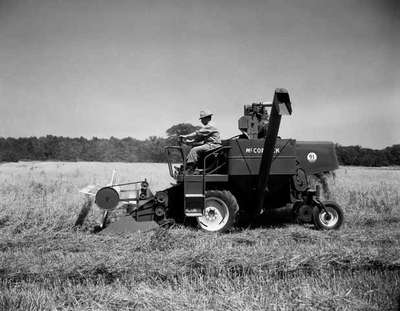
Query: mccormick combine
pixel 242 181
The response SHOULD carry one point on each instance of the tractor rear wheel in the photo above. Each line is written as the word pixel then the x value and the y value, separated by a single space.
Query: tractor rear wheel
pixel 220 211
pixel 331 219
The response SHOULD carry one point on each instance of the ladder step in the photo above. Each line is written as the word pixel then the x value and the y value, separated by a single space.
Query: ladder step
pixel 194 195
pixel 193 213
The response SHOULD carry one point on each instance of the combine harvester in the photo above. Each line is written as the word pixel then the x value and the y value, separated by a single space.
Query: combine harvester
pixel 245 179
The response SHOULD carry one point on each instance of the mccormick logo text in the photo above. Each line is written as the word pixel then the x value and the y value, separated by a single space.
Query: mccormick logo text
pixel 259 150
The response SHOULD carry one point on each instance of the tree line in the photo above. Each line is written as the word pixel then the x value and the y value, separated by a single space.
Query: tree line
pixel 358 156
pixel 58 148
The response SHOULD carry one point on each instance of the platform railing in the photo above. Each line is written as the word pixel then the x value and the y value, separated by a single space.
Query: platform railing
pixel 205 173
pixel 168 151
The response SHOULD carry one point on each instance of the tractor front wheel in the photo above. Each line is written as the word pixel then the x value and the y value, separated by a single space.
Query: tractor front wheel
pixel 330 219
pixel 220 211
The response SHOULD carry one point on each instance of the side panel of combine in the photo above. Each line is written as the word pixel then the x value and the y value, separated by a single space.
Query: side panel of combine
pixel 243 169
pixel 316 157
pixel 245 157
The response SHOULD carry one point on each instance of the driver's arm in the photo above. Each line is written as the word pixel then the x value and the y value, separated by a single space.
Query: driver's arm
pixel 190 136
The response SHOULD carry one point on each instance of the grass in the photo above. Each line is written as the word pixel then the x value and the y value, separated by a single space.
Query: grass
pixel 46 265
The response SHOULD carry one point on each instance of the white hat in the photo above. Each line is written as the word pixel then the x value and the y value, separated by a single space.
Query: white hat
pixel 205 113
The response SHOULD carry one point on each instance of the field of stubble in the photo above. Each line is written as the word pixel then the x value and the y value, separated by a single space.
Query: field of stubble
pixel 46 265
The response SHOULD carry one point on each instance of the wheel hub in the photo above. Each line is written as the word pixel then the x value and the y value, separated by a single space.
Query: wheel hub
pixel 210 213
pixel 328 216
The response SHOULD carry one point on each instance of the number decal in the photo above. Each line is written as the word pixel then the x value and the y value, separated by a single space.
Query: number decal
pixel 312 157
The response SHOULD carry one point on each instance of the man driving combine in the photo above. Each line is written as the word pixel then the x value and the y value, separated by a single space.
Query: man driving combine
pixel 204 139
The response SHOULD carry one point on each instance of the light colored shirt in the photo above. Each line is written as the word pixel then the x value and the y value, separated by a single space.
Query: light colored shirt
pixel 209 134
pixel 206 134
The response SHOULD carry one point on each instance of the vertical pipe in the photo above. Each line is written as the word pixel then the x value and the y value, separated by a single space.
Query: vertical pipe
pixel 281 97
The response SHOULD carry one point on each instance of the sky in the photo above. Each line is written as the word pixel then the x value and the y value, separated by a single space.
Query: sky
pixel 135 68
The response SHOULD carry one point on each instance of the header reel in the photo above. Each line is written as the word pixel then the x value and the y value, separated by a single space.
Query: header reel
pixel 109 197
